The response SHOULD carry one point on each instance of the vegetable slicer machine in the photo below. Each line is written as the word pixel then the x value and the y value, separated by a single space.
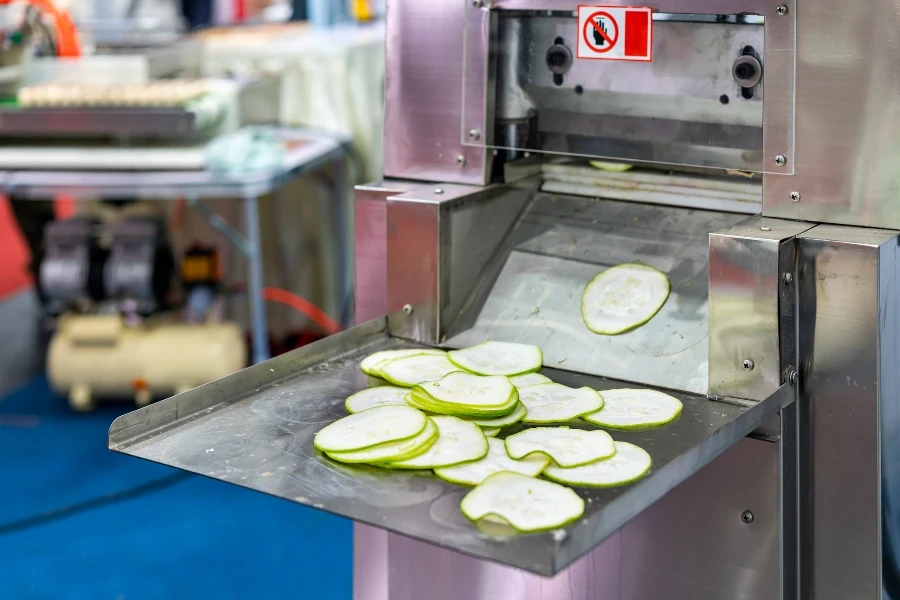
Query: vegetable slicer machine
pixel 780 477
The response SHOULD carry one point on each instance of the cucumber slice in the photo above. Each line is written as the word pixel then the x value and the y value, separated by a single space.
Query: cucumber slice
pixel 635 409
pixel 384 395
pixel 611 167
pixel 567 447
pixel 623 297
pixel 490 431
pixel 411 400
pixel 526 503
pixel 629 464
pixel 393 450
pixel 473 473
pixel 464 394
pixel 411 370
pixel 515 416
pixel 556 403
pixel 371 428
pixel 421 399
pixel 368 364
pixel 498 358
pixel 458 441
pixel 521 381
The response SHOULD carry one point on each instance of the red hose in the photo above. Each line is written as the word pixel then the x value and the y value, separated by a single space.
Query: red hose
pixel 316 314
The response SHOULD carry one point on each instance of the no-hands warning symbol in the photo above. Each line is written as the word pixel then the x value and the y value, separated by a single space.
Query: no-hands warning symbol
pixel 615 33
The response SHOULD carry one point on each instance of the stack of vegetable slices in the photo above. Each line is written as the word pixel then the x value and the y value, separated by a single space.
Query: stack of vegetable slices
pixel 440 410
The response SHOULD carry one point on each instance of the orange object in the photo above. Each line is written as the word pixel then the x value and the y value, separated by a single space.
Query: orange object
pixel 139 384
pixel 316 314
pixel 67 43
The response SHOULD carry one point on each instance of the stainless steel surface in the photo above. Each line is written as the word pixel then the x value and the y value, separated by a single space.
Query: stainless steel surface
pixel 745 281
pixel 259 330
pixel 691 544
pixel 255 429
pixel 848 118
pixel 155 123
pixel 847 288
pixel 424 92
pixel 558 246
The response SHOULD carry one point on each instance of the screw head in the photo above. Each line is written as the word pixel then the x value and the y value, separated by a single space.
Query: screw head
pixel 407 309
pixel 792 376
pixel 474 134
pixel 782 10
pixel 438 191
pixel 788 278
pixel 747 517
pixel 765 228
pixel 748 364
pixel 461 160
pixel 781 160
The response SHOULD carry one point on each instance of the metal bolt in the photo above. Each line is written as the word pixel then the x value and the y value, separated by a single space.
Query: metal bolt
pixel 461 160
pixel 788 278
pixel 791 375
pixel 474 134
pixel 765 228
pixel 747 516
pixel 782 10
pixel 748 364
pixel 795 196
pixel 780 160
pixel 438 191
pixel 407 309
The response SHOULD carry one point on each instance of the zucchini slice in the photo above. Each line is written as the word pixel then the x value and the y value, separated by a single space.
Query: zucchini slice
pixel 458 441
pixel 369 363
pixel 393 450
pixel 515 416
pixel 567 447
pixel 498 358
pixel 521 381
pixel 635 409
pixel 383 395
pixel 466 395
pixel 490 431
pixel 623 297
pixel 370 428
pixel 629 464
pixel 526 503
pixel 411 370
pixel 610 167
pixel 556 403
pixel 473 473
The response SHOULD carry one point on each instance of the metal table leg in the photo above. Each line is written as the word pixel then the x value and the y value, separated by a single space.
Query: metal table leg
pixel 257 303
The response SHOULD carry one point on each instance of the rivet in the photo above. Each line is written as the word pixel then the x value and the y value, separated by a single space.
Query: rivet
pixel 438 191
pixel 788 278
pixel 795 196
pixel 782 10
pixel 461 160
pixel 474 134
pixel 780 160
pixel 407 309
pixel 748 364
pixel 765 228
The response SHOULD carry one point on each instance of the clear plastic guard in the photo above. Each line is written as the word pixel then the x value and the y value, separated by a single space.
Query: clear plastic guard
pixel 718 92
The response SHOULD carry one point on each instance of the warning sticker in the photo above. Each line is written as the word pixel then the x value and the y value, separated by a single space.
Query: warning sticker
pixel 615 33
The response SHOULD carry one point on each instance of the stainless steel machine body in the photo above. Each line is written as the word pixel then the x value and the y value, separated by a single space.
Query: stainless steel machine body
pixel 780 335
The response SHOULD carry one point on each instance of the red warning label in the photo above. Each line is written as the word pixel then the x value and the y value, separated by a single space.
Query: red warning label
pixel 615 33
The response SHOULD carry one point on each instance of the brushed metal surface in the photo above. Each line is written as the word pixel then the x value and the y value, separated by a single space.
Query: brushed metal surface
pixel 679 548
pixel 848 118
pixel 847 286
pixel 745 282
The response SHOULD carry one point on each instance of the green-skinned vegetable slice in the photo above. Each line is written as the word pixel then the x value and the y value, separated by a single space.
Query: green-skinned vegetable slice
pixel 515 416
pixel 526 503
pixel 497 460
pixel 411 370
pixel 498 358
pixel 556 403
pixel 401 450
pixel 623 297
pixel 490 431
pixel 567 447
pixel 369 364
pixel 629 464
pixel 371 428
pixel 384 395
pixel 458 441
pixel 425 402
pixel 521 381
pixel 635 409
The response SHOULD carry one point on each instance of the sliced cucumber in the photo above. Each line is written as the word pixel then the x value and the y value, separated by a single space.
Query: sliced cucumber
pixel 384 395
pixel 635 409
pixel 611 167
pixel 521 381
pixel 411 400
pixel 623 297
pixel 556 403
pixel 411 370
pixel 393 450
pixel 369 363
pixel 473 473
pixel 371 428
pixel 498 358
pixel 515 416
pixel 464 394
pixel 567 447
pixel 458 441
pixel 526 503
pixel 630 463
pixel 490 431
pixel 421 399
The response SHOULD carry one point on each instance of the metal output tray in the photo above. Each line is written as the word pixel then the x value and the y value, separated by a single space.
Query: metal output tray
pixel 255 429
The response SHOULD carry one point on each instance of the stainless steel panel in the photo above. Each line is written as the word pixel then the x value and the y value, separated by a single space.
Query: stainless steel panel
pixel 255 429
pixel 560 244
pixel 848 118
pixel 681 547
pixel 847 286
pixel 424 94
pixel 745 282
